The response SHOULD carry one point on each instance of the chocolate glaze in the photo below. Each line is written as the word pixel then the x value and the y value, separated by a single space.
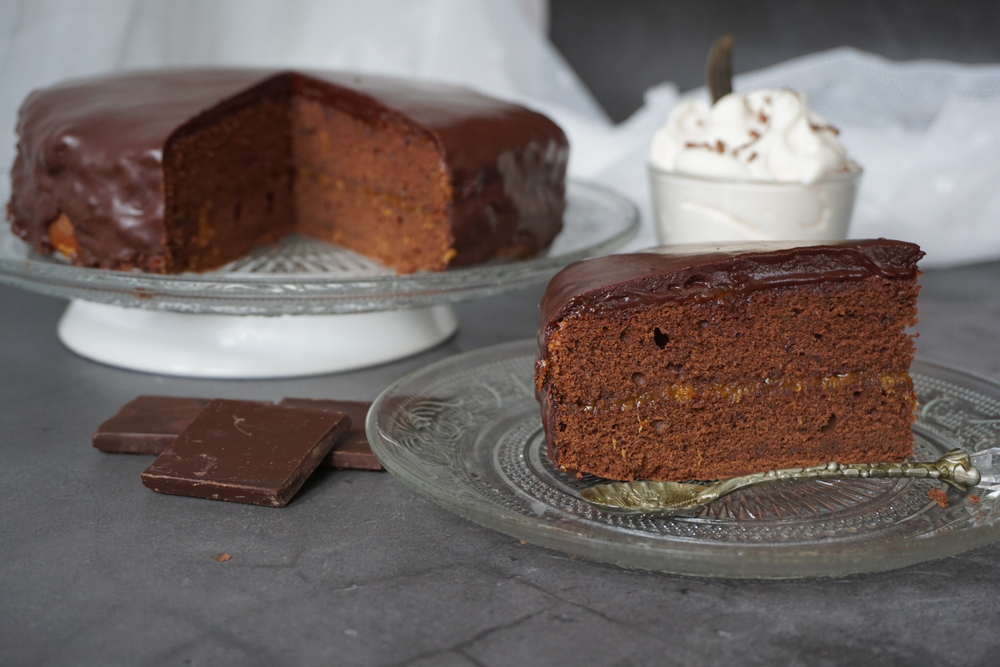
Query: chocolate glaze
pixel 702 271
pixel 93 150
pixel 707 271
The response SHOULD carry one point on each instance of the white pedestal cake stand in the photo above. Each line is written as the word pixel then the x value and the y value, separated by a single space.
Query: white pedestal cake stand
pixel 298 307
pixel 249 346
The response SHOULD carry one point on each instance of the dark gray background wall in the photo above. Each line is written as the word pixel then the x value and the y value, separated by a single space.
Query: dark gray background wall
pixel 621 47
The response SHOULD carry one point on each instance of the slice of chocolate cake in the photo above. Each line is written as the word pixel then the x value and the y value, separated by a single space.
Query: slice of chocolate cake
pixel 709 361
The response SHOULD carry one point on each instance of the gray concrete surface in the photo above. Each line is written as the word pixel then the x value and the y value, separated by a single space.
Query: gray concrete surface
pixel 95 569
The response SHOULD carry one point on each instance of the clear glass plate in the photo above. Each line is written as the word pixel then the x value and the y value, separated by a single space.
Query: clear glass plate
pixel 466 433
pixel 299 275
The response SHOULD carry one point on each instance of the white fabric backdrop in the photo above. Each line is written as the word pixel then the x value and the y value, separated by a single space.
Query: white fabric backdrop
pixel 927 134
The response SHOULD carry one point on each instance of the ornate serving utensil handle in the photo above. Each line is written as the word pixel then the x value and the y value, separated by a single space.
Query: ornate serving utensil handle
pixel 954 468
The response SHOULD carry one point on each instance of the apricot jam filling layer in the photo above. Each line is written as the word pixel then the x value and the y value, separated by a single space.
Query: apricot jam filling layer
pixel 686 393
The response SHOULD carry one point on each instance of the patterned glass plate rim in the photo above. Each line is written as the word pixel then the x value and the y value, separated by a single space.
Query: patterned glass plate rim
pixel 465 432
pixel 304 276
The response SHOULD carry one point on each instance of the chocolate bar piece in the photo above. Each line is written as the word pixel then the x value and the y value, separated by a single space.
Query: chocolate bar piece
pixel 147 424
pixel 246 452
pixel 351 452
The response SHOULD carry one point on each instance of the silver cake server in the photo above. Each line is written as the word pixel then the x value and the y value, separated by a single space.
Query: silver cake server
pixel 956 468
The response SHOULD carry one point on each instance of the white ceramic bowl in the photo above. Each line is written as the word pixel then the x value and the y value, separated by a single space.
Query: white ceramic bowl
pixel 693 209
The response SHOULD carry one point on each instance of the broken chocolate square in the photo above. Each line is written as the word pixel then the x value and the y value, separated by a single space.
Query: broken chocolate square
pixel 352 451
pixel 246 452
pixel 147 424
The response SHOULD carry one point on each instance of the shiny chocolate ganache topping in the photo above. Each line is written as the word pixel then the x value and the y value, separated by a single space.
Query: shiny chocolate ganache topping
pixel 713 270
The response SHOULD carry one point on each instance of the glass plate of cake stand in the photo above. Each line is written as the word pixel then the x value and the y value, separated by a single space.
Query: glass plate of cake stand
pixel 297 307
pixel 466 433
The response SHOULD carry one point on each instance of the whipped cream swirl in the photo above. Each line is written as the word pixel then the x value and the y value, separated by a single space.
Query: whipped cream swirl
pixel 767 135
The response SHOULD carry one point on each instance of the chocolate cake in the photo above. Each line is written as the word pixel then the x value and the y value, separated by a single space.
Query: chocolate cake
pixel 187 170
pixel 710 361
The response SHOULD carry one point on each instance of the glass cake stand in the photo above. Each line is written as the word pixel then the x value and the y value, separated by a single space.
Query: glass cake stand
pixel 297 307
pixel 466 433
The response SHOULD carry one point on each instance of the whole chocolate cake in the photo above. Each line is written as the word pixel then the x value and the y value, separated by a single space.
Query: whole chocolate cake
pixel 710 361
pixel 186 170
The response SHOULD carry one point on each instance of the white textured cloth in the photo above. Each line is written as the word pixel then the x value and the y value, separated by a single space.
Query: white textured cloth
pixel 926 133
pixel 928 136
